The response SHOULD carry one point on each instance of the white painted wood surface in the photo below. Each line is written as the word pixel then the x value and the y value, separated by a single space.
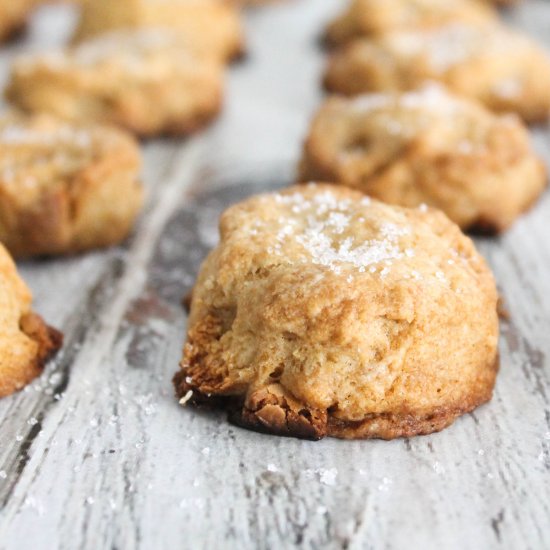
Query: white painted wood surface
pixel 97 454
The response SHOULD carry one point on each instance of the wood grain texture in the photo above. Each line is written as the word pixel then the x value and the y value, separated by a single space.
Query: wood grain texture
pixel 98 454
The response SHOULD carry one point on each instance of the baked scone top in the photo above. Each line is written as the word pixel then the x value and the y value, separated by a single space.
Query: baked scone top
pixel 328 231
pixel 212 26
pixel 452 44
pixel 344 304
pixel 365 134
pixel 41 152
pixel 427 146
pixel 500 67
pixel 138 53
pixel 367 17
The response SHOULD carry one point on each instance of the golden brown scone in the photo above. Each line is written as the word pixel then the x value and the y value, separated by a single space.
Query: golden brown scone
pixel 65 188
pixel 427 146
pixel 213 26
pixel 500 67
pixel 372 17
pixel 26 342
pixel 147 81
pixel 323 312
pixel 13 16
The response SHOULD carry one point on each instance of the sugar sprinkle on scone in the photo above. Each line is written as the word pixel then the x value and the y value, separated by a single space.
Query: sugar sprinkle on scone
pixel 323 312
pixel 13 16
pixel 151 82
pixel 427 146
pixel 212 26
pixel 371 17
pixel 26 342
pixel 500 67
pixel 65 188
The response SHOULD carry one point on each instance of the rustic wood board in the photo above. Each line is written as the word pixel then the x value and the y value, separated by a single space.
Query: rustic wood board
pixel 98 454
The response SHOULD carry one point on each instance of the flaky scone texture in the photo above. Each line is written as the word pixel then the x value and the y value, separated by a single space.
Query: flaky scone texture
pixel 372 17
pixel 212 26
pixel 65 188
pixel 491 63
pixel 427 146
pixel 26 342
pixel 150 82
pixel 323 312
pixel 13 16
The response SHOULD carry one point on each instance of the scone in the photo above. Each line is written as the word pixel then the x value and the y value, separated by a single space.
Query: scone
pixel 13 16
pixel 26 342
pixel 213 26
pixel 65 188
pixel 500 67
pixel 149 82
pixel 323 312
pixel 372 17
pixel 427 146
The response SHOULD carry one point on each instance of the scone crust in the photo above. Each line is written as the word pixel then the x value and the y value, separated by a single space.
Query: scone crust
pixel 427 146
pixel 26 342
pixel 365 18
pixel 65 188
pixel 503 69
pixel 150 82
pixel 308 346
pixel 211 26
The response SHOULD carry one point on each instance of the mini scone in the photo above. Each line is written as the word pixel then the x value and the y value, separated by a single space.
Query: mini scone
pixel 150 82
pixel 372 17
pixel 427 146
pixel 502 68
pixel 323 312
pixel 26 342
pixel 65 188
pixel 211 26
pixel 13 16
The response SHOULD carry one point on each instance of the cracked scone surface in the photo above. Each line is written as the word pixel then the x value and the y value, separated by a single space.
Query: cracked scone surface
pixel 372 17
pixel 427 146
pixel 323 312
pixel 13 16
pixel 151 82
pixel 502 68
pixel 26 342
pixel 65 188
pixel 212 26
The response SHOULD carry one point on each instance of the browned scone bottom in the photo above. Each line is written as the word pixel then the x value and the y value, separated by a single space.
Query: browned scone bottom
pixel 273 412
pixel 323 312
pixel 65 187
pixel 26 342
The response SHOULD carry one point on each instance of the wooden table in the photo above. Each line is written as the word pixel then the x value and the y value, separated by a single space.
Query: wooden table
pixel 97 453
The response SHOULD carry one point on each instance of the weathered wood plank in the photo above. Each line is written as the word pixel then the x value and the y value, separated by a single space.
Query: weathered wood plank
pixel 113 462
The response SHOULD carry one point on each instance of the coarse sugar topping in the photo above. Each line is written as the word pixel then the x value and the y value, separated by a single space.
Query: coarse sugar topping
pixel 323 225
pixel 452 44
pixel 21 134
pixel 127 49
pixel 37 150
pixel 431 96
